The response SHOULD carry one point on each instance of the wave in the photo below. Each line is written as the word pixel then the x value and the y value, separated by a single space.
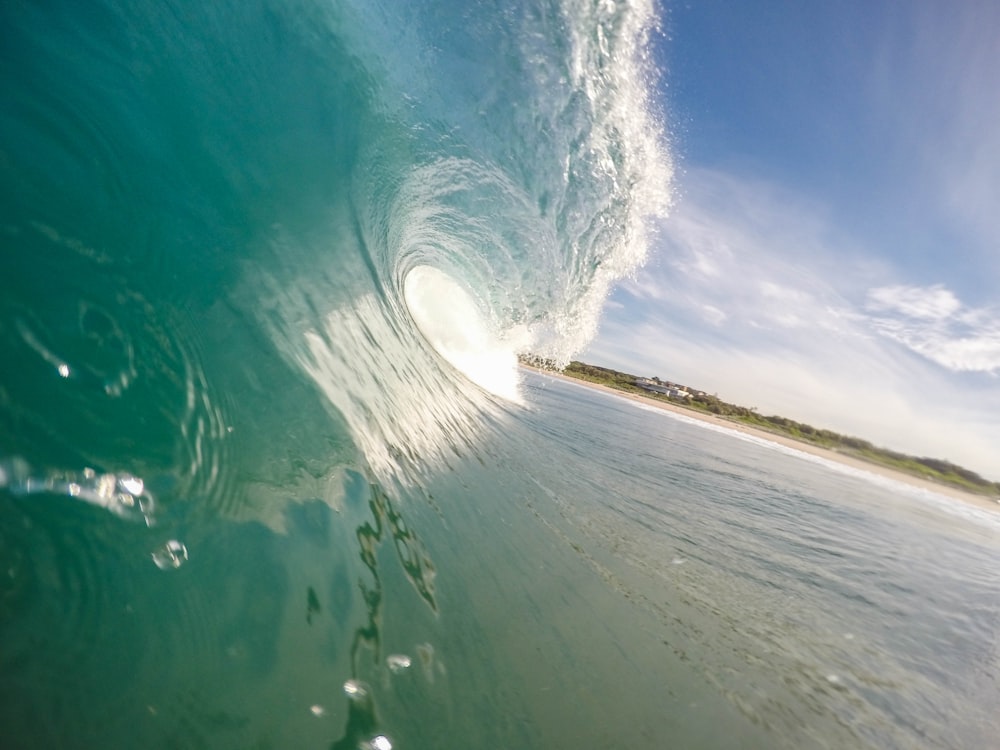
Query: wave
pixel 211 211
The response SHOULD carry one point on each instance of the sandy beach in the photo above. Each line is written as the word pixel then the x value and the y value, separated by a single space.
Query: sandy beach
pixel 955 493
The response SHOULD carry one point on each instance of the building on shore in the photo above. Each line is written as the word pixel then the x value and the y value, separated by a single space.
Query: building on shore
pixel 667 389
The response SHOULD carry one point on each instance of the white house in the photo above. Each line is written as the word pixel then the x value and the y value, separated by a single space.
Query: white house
pixel 667 389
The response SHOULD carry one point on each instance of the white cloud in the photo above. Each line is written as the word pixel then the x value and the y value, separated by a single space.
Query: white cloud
pixel 933 303
pixel 713 315
pixel 763 267
pixel 935 324
pixel 797 321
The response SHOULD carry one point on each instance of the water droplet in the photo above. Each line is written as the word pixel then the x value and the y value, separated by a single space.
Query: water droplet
pixel 104 486
pixel 355 690
pixel 398 662
pixel 173 554
pixel 132 485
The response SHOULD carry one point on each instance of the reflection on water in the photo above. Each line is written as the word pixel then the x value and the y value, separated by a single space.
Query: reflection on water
pixel 419 570
pixel 413 558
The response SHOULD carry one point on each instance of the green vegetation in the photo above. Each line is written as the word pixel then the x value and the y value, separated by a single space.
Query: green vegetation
pixel 932 469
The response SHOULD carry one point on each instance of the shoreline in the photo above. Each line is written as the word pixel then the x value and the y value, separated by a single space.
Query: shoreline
pixel 954 493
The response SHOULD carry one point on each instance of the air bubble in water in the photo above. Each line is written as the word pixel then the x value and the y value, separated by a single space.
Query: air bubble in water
pixel 355 690
pixel 173 554
pixel 398 662
pixel 132 485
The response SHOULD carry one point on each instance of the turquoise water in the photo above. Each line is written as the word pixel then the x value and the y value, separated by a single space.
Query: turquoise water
pixel 269 473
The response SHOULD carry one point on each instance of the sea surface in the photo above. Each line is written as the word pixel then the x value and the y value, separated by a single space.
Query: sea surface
pixel 270 476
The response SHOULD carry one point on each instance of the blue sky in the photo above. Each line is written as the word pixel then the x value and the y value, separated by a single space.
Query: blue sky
pixel 833 254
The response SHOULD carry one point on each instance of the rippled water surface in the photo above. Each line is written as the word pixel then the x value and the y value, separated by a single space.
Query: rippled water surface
pixel 602 576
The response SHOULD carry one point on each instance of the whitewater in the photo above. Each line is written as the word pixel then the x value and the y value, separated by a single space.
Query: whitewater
pixel 270 475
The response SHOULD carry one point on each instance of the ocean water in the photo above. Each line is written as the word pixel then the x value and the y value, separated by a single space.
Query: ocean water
pixel 271 477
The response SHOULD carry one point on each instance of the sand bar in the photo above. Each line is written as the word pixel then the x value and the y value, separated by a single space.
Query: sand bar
pixel 979 501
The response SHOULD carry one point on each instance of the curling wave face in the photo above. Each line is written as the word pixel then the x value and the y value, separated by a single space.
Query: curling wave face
pixel 487 217
pixel 389 200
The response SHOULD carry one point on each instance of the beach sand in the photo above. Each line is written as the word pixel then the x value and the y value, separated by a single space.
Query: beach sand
pixel 955 493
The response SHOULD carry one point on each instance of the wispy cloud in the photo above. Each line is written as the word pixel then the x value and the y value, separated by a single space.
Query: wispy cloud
pixel 754 295
pixel 935 324
pixel 748 256
pixel 931 304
